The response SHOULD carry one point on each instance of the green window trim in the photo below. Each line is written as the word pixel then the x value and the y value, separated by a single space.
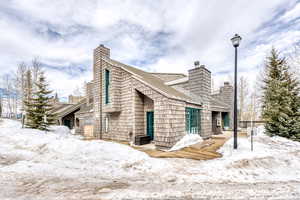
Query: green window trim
pixel 107 83
pixel 193 120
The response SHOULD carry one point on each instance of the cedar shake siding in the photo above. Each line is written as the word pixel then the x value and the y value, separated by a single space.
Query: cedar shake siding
pixel 120 99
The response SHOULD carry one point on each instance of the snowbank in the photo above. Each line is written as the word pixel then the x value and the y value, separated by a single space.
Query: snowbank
pixel 272 159
pixel 37 154
pixel 60 153
pixel 187 140
pixel 60 130
pixel 259 131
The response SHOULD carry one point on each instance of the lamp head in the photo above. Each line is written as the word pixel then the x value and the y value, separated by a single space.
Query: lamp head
pixel 236 40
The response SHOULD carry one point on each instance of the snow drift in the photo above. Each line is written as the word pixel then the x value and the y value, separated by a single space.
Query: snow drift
pixel 186 141
pixel 36 150
pixel 60 161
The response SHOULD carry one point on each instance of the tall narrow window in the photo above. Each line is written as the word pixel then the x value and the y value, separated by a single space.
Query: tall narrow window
pixel 107 83
pixel 193 120
pixel 106 124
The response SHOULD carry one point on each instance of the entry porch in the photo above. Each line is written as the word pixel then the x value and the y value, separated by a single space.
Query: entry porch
pixel 220 122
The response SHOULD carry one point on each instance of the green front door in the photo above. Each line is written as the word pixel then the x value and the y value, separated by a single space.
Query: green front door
pixel 67 123
pixel 225 118
pixel 150 122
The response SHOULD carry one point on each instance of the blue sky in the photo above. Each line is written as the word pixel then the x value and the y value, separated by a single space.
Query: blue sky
pixel 159 36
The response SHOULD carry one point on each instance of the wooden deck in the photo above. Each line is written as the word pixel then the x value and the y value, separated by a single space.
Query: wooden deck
pixel 206 150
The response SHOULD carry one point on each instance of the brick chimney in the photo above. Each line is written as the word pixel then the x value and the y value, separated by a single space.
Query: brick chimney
pixel 200 84
pixel 200 81
pixel 99 53
pixel 226 94
pixel 89 92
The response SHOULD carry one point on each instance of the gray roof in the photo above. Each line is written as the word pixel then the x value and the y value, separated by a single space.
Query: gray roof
pixel 69 108
pixel 84 108
pixel 166 77
pixel 218 103
pixel 194 97
pixel 60 106
pixel 155 83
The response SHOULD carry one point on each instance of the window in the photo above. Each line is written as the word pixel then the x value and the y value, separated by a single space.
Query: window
pixel 193 120
pixel 106 124
pixel 107 83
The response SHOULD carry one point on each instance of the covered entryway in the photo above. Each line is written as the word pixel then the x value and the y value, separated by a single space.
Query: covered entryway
pixel 143 116
pixel 66 115
pixel 68 120
pixel 216 123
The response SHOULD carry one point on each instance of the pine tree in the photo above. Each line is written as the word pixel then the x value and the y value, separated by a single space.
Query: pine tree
pixel 293 86
pixel 280 100
pixel 38 107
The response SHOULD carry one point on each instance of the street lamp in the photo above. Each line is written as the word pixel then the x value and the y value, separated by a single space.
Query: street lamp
pixel 235 42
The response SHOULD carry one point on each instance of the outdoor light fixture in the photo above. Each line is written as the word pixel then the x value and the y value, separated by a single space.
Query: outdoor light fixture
pixel 235 42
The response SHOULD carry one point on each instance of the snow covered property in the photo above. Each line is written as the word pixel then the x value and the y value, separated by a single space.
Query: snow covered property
pixel 58 165
pixel 125 103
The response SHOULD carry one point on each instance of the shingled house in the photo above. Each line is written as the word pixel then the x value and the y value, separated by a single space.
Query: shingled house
pixel 123 102
pixel 65 112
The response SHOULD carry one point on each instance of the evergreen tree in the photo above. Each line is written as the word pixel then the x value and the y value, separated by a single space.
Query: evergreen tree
pixel 38 107
pixel 280 100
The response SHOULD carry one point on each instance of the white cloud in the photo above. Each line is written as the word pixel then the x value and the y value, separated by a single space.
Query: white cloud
pixel 291 14
pixel 168 36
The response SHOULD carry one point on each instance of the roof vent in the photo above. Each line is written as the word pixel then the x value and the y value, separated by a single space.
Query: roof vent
pixel 197 63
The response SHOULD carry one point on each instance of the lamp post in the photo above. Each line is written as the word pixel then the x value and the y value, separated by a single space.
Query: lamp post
pixel 235 42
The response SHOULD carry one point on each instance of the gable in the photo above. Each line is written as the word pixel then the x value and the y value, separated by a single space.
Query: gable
pixel 154 82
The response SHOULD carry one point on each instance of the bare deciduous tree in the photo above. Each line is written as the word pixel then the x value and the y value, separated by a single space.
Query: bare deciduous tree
pixel 79 91
pixel 28 86
pixel 8 88
pixel 294 60
pixel 36 69
pixel 243 93
pixel 1 104
pixel 253 108
pixel 21 82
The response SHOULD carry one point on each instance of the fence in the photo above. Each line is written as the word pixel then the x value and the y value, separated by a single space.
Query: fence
pixel 246 124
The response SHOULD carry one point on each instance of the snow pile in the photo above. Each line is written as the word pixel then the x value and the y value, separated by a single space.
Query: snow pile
pixel 272 159
pixel 59 153
pixel 187 140
pixel 244 149
pixel 259 131
pixel 60 130
pixel 47 162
